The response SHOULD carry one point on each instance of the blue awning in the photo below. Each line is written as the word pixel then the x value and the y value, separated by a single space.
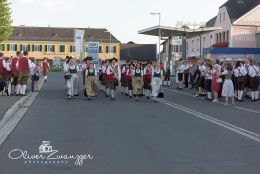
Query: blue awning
pixel 231 51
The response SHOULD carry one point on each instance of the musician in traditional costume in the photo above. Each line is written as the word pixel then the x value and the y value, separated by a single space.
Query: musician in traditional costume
pixel 90 82
pixel 148 70
pixel 129 77
pixel 45 68
pixel 124 79
pixel 2 67
pixel 15 71
pixel 114 76
pixel 254 74
pixel 137 82
pixel 72 75
pixel 24 67
pixel 240 74
pixel 156 81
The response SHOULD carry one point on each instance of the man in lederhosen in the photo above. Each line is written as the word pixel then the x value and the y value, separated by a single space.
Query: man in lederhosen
pixel 254 75
pixel 15 72
pixel 240 75
pixel 45 68
pixel 2 72
pixel 114 76
pixel 24 67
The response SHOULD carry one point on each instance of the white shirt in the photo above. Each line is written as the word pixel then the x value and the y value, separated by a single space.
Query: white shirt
pixel 33 68
pixel 209 73
pixel 67 67
pixel 181 68
pixel 240 71
pixel 254 71
pixel 5 65
pixel 202 69
pixel 110 71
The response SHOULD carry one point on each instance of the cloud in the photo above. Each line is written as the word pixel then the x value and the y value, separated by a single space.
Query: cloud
pixel 49 4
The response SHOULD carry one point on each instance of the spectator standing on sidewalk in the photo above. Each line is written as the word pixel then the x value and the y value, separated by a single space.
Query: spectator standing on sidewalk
pixel 32 74
pixel 216 82
pixel 37 73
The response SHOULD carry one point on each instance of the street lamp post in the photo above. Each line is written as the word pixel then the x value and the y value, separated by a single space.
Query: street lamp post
pixel 159 35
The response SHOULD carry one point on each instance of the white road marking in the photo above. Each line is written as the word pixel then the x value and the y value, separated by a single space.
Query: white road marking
pixel 233 128
pixel 237 107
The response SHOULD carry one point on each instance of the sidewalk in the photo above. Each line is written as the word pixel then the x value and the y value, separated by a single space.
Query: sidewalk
pixel 6 102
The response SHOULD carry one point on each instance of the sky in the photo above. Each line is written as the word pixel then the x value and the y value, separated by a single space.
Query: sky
pixel 124 18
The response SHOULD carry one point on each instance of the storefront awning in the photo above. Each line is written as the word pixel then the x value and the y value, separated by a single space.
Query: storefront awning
pixel 167 31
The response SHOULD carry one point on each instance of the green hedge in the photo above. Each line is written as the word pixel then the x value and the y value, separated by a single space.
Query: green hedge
pixel 56 69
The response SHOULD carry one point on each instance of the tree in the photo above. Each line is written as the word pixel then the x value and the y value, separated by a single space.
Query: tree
pixel 6 28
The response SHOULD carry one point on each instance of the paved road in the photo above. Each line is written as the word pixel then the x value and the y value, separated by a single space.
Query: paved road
pixel 126 137
pixel 6 102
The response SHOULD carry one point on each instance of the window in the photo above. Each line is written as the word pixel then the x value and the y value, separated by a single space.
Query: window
pixel 49 48
pixel 224 16
pixel 220 16
pixel 72 48
pixel 224 36
pixel 107 49
pixel 37 48
pixel 227 36
pixel 11 47
pixel 220 36
pixel 216 37
pixel 100 49
pixel 210 40
pixel 24 47
pixel 177 49
pixel 2 47
pixel 62 48
pixel 114 49
pixel 198 44
pixel 192 45
pixel 86 49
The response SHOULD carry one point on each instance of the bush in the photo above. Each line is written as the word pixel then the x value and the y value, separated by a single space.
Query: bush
pixel 56 69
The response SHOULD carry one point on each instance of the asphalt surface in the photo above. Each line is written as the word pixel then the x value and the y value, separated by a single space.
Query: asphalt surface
pixel 6 102
pixel 127 137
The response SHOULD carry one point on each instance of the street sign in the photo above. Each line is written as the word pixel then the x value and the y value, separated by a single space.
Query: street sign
pixel 93 51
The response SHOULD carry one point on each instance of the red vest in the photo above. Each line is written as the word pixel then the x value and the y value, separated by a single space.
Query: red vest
pixel 23 65
pixel 2 69
pixel 112 75
pixel 14 61
pixel 148 75
pixel 45 66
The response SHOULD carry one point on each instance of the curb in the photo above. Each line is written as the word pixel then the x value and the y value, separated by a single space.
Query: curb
pixel 15 113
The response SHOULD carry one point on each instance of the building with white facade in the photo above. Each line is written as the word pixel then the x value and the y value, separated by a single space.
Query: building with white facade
pixel 239 21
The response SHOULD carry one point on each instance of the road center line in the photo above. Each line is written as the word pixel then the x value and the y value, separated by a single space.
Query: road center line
pixel 233 128
pixel 237 107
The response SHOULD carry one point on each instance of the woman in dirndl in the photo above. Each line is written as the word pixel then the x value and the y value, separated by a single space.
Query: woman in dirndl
pixel 228 86
pixel 72 76
pixel 90 82
pixel 156 81
pixel 137 82
pixel 147 79
pixel 124 79
pixel 129 77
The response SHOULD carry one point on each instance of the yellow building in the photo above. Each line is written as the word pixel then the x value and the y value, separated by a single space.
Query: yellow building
pixel 54 42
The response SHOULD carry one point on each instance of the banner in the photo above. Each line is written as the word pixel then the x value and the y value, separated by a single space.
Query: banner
pixel 78 40
pixel 93 51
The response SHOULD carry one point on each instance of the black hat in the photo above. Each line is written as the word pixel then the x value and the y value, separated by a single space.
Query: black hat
pixel 114 59
pixel 149 62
